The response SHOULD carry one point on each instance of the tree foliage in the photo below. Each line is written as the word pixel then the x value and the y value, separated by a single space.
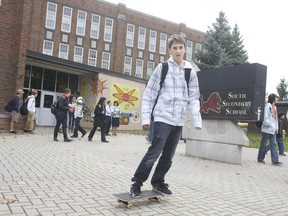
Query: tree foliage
pixel 282 90
pixel 222 47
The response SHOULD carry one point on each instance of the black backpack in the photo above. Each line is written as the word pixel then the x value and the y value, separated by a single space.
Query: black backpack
pixel 54 107
pixel 164 72
pixel 9 106
pixel 23 108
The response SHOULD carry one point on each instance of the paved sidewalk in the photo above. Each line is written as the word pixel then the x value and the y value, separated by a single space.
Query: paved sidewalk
pixel 42 178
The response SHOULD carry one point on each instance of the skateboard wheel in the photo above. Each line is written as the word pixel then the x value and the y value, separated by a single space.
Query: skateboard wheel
pixel 119 201
pixel 159 199
pixel 129 205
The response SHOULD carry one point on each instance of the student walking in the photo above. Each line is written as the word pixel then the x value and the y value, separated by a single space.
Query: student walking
pixel 78 115
pixel 269 129
pixel 279 135
pixel 99 119
pixel 169 114
pixel 108 118
pixel 30 119
pixel 61 115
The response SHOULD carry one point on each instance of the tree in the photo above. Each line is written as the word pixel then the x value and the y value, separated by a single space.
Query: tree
pixel 282 89
pixel 221 47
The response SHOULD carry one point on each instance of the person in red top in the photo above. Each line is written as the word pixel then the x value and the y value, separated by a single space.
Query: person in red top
pixel 61 115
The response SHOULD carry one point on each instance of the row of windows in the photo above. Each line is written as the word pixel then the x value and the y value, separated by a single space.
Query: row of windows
pixel 108 30
pixel 92 58
pixel 78 54
pixel 51 17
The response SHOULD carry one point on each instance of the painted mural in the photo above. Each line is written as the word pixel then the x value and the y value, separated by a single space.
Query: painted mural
pixel 128 98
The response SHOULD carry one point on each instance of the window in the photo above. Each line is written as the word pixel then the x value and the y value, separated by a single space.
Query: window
pixel 189 49
pixel 163 42
pixel 48 47
pixel 0 2
pixel 63 51
pixel 150 68
pixel 127 65
pixel 95 24
pixel 78 54
pixel 49 80
pixel 92 57
pixel 81 23
pixel 105 60
pixel 152 41
pixel 108 30
pixel 130 35
pixel 141 38
pixel 198 47
pixel 139 68
pixel 51 15
pixel 66 19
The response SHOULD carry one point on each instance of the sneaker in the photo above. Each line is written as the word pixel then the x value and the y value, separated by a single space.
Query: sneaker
pixel 13 131
pixel 135 190
pixel 73 136
pixel 68 140
pixel 261 161
pixel 278 163
pixel 83 134
pixel 105 141
pixel 283 154
pixel 162 188
pixel 55 139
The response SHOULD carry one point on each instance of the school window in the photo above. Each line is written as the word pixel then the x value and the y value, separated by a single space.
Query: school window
pixel 189 49
pixel 92 57
pixel 78 54
pixel 127 65
pixel 198 47
pixel 95 24
pixel 66 19
pixel 51 15
pixel 130 35
pixel 105 60
pixel 141 38
pixel 139 68
pixel 108 30
pixel 152 41
pixel 48 47
pixel 163 42
pixel 63 51
pixel 150 68
pixel 81 23
pixel 0 2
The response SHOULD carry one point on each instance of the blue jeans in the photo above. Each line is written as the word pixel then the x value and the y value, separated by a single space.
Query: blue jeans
pixel 78 127
pixel 262 148
pixel 165 141
pixel 280 145
pixel 61 120
pixel 151 132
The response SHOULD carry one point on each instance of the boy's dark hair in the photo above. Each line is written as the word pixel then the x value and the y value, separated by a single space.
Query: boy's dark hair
pixel 67 90
pixel 272 98
pixel 280 115
pixel 115 102
pixel 176 38
pixel 77 94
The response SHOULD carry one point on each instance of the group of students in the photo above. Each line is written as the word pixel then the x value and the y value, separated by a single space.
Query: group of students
pixel 272 130
pixel 104 116
pixel 15 104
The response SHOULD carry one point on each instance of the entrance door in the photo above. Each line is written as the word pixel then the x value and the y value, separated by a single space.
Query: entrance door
pixel 46 118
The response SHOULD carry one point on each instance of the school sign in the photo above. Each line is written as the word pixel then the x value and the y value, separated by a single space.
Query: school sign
pixel 236 93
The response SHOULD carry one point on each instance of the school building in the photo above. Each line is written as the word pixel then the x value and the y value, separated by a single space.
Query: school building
pixel 99 48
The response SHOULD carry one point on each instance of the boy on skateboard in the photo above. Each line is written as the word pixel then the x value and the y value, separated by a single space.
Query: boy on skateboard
pixel 168 110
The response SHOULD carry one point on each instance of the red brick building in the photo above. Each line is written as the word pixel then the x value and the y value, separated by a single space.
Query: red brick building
pixel 51 45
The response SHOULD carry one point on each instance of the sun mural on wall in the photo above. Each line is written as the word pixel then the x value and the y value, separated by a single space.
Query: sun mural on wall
pixel 125 97
pixel 97 86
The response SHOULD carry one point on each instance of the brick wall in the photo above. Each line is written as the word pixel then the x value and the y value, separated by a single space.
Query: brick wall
pixel 22 27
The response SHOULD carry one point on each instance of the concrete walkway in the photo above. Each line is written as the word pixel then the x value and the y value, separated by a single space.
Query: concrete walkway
pixel 40 177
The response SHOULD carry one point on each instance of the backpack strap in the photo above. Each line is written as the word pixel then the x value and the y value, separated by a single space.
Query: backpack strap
pixel 163 76
pixel 187 76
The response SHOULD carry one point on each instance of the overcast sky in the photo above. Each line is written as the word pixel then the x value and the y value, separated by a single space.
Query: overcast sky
pixel 262 24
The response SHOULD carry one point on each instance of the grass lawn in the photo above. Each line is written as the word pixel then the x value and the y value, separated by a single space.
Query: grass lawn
pixel 255 138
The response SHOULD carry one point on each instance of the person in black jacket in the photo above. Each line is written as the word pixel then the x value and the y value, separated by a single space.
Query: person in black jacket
pixel 99 119
pixel 279 135
pixel 61 115
pixel 15 110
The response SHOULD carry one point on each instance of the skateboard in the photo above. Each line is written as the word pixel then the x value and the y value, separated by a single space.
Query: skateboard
pixel 127 200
